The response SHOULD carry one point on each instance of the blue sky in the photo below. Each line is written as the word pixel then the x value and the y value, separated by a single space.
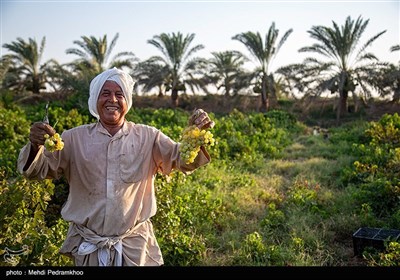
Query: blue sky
pixel 213 22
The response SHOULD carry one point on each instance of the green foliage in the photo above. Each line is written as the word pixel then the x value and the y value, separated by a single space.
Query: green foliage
pixel 256 252
pixel 62 120
pixel 23 204
pixel 386 131
pixel 390 256
pixel 169 121
pixel 6 99
pixel 304 193
pixel 376 172
pixel 253 250
pixel 14 131
pixel 59 118
pixel 246 137
pixel 178 218
pixel 353 132
pixel 274 219
pixel 382 197
pixel 241 181
pixel 284 119
pixel 255 204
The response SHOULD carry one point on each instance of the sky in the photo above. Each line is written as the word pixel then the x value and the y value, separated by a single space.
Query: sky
pixel 214 23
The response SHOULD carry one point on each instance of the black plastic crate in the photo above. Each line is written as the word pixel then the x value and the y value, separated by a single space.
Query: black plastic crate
pixel 373 237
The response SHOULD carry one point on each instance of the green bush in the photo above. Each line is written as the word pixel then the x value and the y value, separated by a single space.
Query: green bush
pixel 14 133
pixel 23 204
pixel 376 172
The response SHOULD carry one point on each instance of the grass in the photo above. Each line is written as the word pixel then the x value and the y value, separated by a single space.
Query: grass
pixel 294 203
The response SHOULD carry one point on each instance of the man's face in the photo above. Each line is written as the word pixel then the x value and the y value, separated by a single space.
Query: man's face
pixel 111 104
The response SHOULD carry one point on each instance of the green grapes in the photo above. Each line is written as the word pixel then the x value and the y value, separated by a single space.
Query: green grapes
pixel 192 139
pixel 53 143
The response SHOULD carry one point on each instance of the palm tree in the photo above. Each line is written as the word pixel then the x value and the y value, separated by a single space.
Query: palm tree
pixel 395 77
pixel 264 52
pixel 94 55
pixel 5 65
pixel 387 79
pixel 226 70
pixel 182 69
pixel 346 66
pixel 150 74
pixel 25 70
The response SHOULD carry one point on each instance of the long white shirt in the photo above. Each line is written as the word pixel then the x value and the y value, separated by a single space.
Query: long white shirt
pixel 111 188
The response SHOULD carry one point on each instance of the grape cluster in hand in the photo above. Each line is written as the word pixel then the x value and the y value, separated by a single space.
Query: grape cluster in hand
pixel 53 143
pixel 192 139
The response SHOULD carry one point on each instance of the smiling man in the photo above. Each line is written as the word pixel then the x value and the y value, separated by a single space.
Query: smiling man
pixel 110 166
pixel 112 106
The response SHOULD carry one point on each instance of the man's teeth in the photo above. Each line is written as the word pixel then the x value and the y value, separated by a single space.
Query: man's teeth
pixel 112 108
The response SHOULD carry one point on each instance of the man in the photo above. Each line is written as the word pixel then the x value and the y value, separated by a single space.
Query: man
pixel 110 166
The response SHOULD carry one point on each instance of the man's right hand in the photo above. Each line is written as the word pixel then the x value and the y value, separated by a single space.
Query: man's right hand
pixel 36 136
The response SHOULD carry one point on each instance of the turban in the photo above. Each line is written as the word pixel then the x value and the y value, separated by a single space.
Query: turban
pixel 123 79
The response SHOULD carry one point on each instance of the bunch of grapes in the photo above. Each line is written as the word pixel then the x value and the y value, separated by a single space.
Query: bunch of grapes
pixel 192 139
pixel 53 143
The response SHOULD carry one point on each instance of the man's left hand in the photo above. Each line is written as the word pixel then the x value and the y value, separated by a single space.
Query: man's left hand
pixel 201 119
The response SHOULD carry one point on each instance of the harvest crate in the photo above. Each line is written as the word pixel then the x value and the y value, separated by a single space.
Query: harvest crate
pixel 373 237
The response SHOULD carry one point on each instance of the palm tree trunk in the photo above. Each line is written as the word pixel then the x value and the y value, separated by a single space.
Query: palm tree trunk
pixel 174 97
pixel 264 106
pixel 271 92
pixel 342 108
pixel 264 103
pixel 35 85
pixel 227 91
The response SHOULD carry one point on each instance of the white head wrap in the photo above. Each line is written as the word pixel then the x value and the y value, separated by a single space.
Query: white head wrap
pixel 123 79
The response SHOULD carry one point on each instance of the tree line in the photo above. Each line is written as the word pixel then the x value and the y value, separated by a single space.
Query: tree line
pixel 341 65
